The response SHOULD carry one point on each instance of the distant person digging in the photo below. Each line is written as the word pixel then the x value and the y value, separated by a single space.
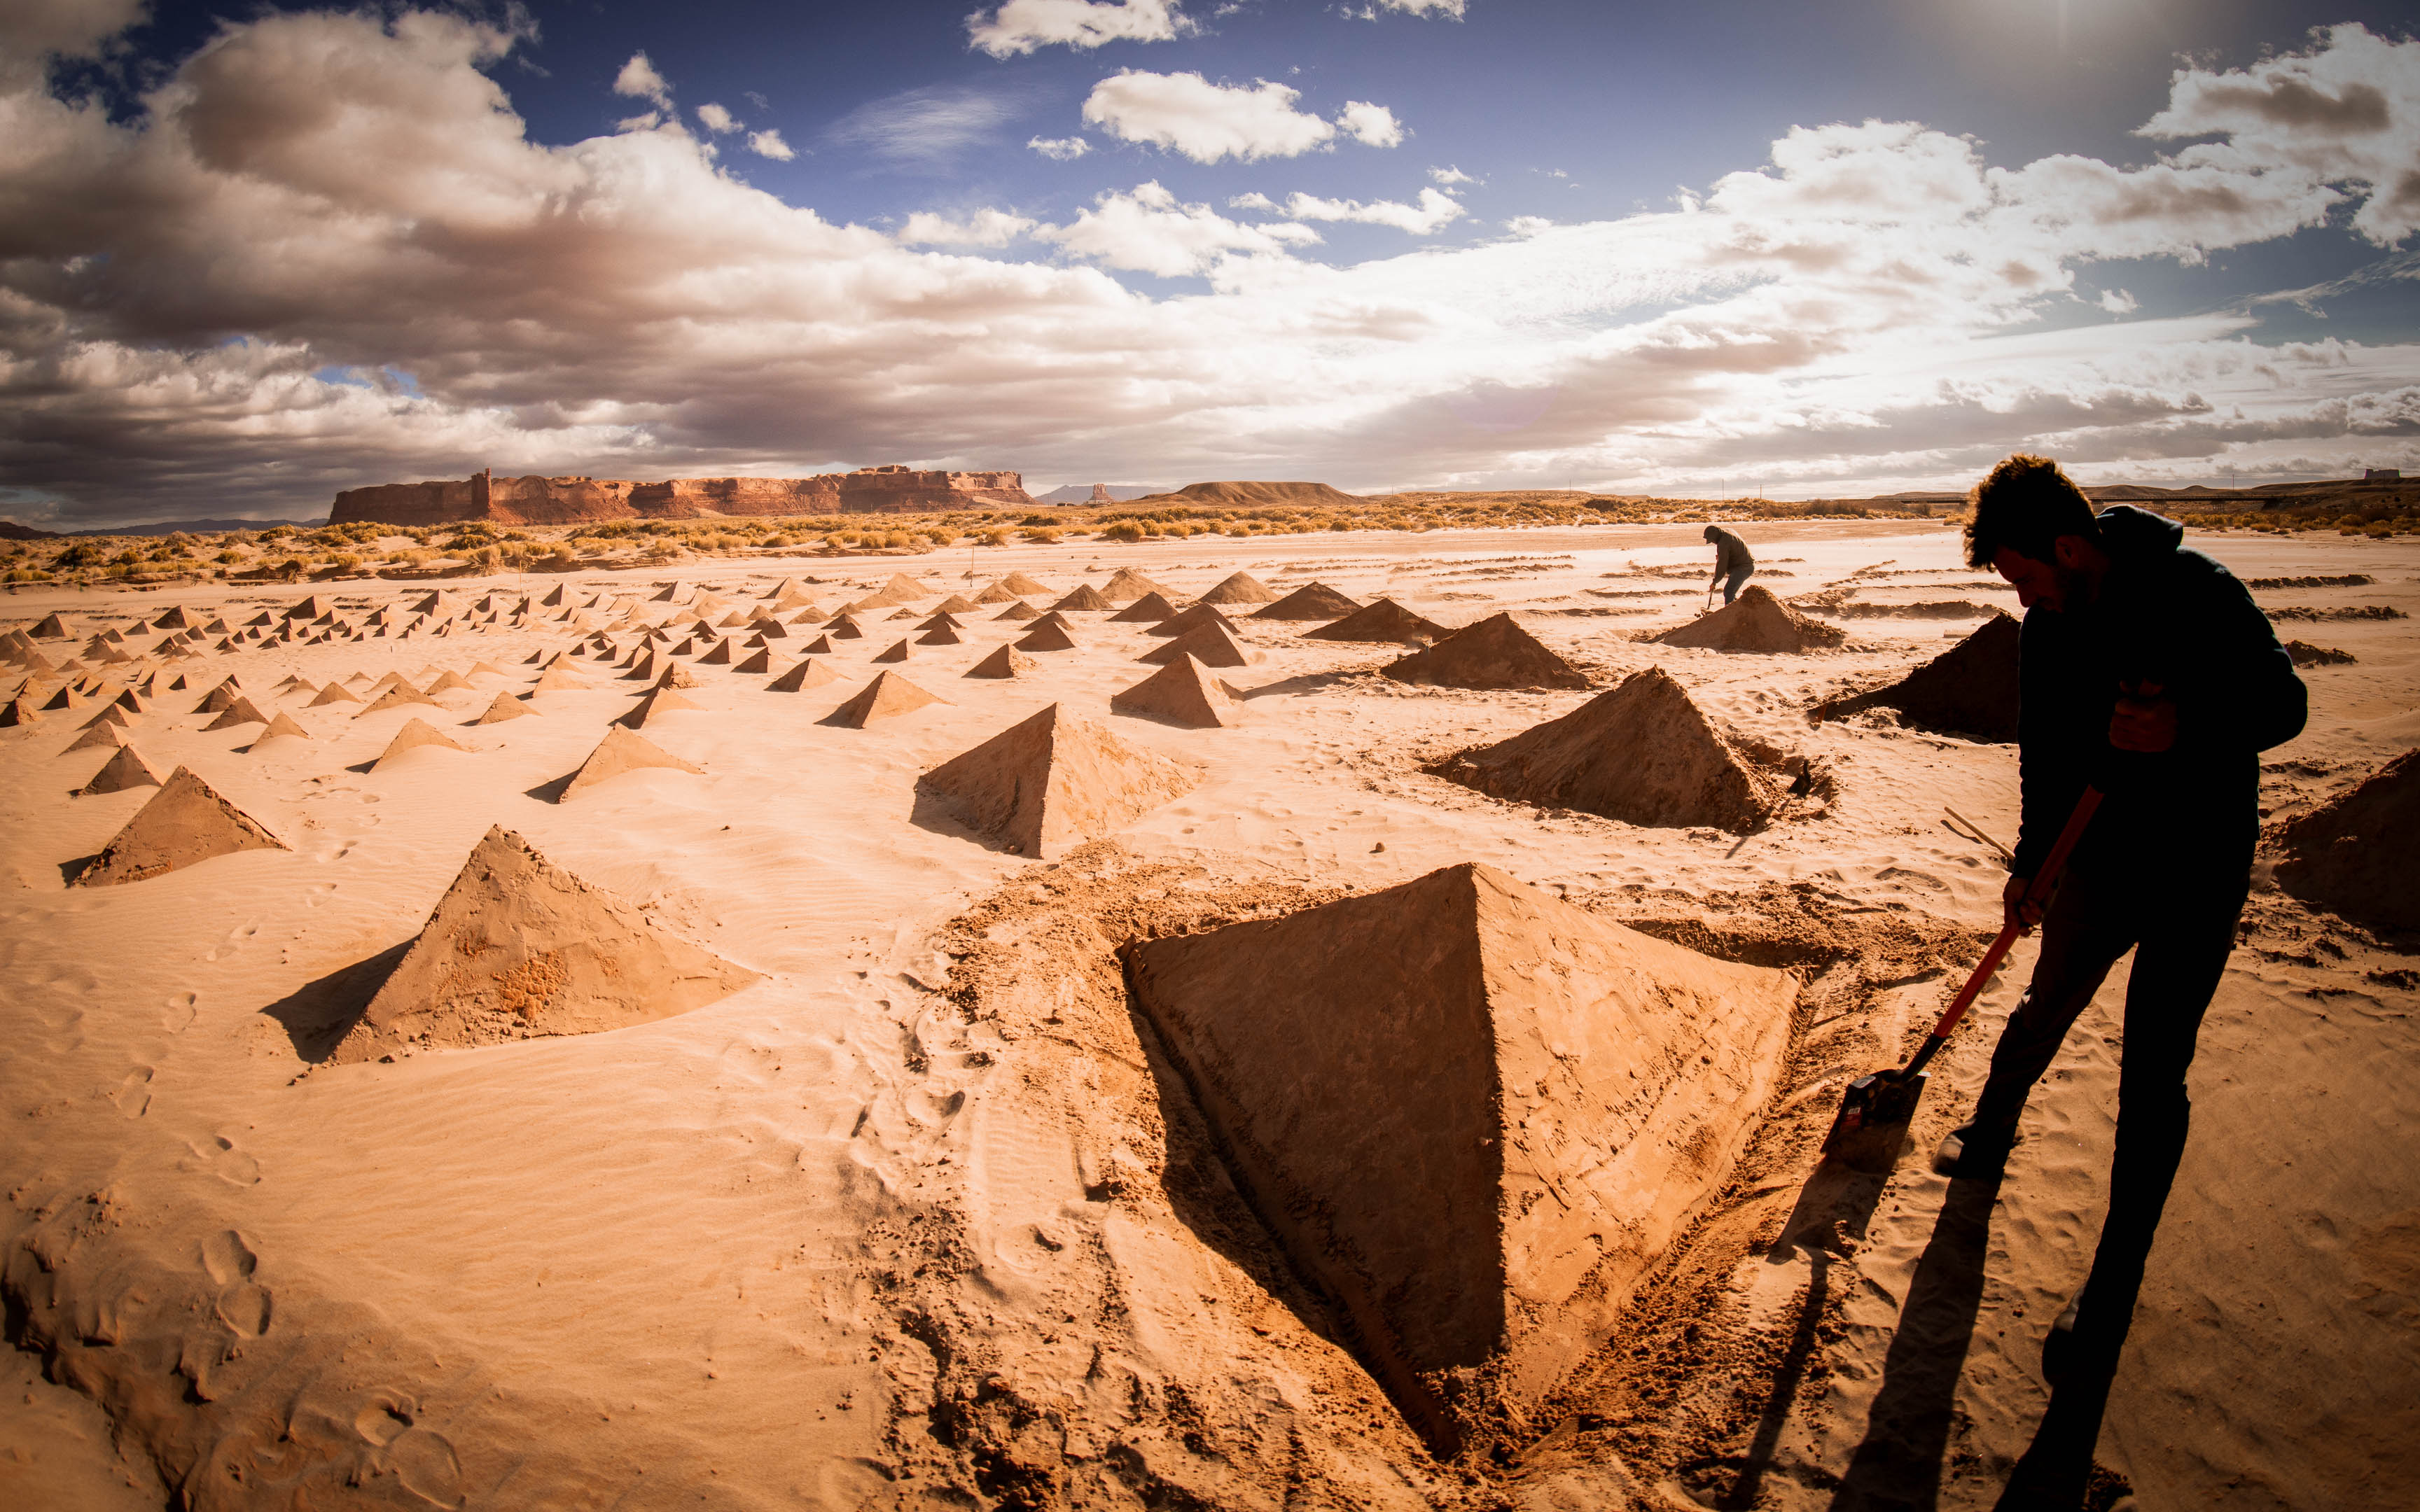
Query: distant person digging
pixel 1733 564
pixel 2147 673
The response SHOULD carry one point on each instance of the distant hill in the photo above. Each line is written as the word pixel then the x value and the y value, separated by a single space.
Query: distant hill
pixel 12 530
pixel 197 527
pixel 1081 493
pixel 1288 495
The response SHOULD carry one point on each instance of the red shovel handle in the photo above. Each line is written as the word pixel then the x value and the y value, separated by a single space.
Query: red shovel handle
pixel 2037 893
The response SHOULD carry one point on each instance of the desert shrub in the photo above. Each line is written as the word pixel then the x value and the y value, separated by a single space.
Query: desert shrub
pixel 1124 529
pixel 994 537
pixel 1042 535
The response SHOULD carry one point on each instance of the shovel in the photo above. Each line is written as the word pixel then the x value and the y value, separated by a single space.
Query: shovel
pixel 1871 1127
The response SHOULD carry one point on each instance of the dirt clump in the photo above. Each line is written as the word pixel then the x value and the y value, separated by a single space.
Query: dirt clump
pixel 1496 653
pixel 1756 621
pixel 519 948
pixel 2307 654
pixel 1970 689
pixel 185 823
pixel 1050 783
pixel 2354 853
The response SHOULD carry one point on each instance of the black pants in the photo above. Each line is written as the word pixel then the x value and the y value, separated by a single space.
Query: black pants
pixel 2180 926
pixel 1731 583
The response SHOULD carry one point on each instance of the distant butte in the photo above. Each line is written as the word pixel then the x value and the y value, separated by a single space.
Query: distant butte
pixel 572 501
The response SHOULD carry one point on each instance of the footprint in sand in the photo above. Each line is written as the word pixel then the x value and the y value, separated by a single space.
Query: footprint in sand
pixel 177 1014
pixel 423 1460
pixel 133 1094
pixel 243 1306
pixel 219 1156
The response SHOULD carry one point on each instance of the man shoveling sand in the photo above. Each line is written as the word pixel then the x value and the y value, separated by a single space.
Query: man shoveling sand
pixel 1733 564
pixel 2147 673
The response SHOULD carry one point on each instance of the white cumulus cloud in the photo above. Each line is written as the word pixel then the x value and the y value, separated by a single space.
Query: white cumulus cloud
pixel 1060 148
pixel 639 81
pixel 1450 176
pixel 1209 122
pixel 1371 125
pixel 1025 26
pixel 768 143
pixel 717 120
pixel 983 228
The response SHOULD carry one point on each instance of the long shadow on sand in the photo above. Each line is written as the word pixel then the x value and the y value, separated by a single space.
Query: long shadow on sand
pixel 1898 1463
pixel 932 814
pixel 1305 683
pixel 318 1014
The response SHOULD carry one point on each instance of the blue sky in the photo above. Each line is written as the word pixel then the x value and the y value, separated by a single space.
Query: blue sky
pixel 1426 244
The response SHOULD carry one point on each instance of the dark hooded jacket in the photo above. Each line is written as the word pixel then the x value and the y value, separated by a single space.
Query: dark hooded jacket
pixel 2176 618
pixel 1730 552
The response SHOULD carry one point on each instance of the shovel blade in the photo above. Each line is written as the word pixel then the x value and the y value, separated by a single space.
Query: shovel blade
pixel 1870 1131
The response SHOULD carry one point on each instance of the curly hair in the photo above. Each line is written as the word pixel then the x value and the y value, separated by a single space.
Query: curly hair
pixel 2024 506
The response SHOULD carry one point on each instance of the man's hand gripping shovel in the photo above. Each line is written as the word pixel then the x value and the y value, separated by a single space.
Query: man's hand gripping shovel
pixel 1871 1127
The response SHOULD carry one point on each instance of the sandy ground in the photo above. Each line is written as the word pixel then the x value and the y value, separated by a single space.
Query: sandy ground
pixel 922 1220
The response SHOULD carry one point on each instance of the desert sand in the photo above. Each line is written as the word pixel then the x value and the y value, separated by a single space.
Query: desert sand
pixel 883 1180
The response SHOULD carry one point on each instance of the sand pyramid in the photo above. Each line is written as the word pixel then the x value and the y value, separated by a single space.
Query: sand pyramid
pixel 658 703
pixel 1126 583
pixel 1151 609
pixel 98 736
pixel 184 823
pixel 677 675
pixel 956 603
pixel 786 587
pixel 1209 645
pixel 556 680
pixel 760 661
pixel 1199 614
pixel 68 697
pixel 519 948
pixel 125 768
pixel 403 695
pixel 1085 597
pixel 315 606
pixel 2354 853
pixel 1382 621
pixel 415 734
pixel 1018 609
pixel 1181 693
pixel 220 699
pixel 1969 689
pixel 896 652
pixel 111 715
pixel 1495 653
pixel 51 627
pixel 446 682
pixel 1756 621
pixel 1312 601
pixel 844 628
pixel 820 646
pixel 1052 783
pixel 1025 587
pixel 940 619
pixel 672 593
pixel 940 635
pixel 901 586
pixel 502 707
pixel 803 675
pixel 762 630
pixel 886 697
pixel 723 651
pixel 240 712
pixel 1477 1113
pixel 175 619
pixel 279 728
pixel 1004 661
pixel 481 668
pixel 1641 754
pixel 902 614
pixel 18 711
pixel 1046 638
pixel 621 751
pixel 996 594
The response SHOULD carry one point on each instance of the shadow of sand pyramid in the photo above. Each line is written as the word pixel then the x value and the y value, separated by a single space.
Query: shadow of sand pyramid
pixel 1969 689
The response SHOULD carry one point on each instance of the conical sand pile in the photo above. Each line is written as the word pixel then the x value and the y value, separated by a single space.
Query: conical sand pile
pixel 1052 783
pixel 1312 601
pixel 1495 653
pixel 1004 661
pixel 1181 693
pixel 956 603
pixel 334 693
pixel 556 680
pixel 996 594
pixel 1382 620
pixel 1200 614
pixel 416 734
pixel 1756 621
pixel 98 736
pixel 284 727
pixel 240 712
pixel 1475 1113
pixel 622 752
pixel 761 661
pixel 940 635
pixel 2353 853
pixel 1642 753
pixel 805 674
pixel 1046 638
pixel 1151 609
pixel 1969 689
pixel 1085 596
pixel 844 628
pixel 185 823
pixel 1019 609
pixel 1024 587
pixel 519 948
pixel 125 768
pixel 896 652
pixel 1126 583
pixel 658 703
pixel 403 695
pixel 886 697
pixel 1240 588
pixel 1209 645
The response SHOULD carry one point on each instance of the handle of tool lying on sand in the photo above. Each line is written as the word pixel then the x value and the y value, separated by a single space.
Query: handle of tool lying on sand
pixel 2036 894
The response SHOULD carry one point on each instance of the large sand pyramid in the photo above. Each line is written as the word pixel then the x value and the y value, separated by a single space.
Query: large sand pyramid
pixel 1474 1114
pixel 185 823
pixel 803 675
pixel 1495 653
pixel 1312 601
pixel 1051 782
pixel 126 768
pixel 1756 621
pixel 1126 583
pixel 1969 689
pixel 1641 754
pixel 886 697
pixel 416 734
pixel 1084 597
pixel 1382 620
pixel 621 751
pixel 1151 609
pixel 1183 693
pixel 1240 588
pixel 2354 853
pixel 519 948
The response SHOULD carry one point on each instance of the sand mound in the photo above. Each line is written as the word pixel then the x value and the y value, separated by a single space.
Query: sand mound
pixel 240 712
pixel 124 769
pixel 98 734
pixel 1199 614
pixel 1019 609
pixel 1209 645
pixel 1151 609
pixel 1312 601
pixel 1495 653
pixel 805 674
pixel 762 660
pixel 1969 689
pixel 896 652
pixel 1052 783
pixel 2307 654
pixel 843 626
pixel 1126 583
pixel 1476 1114
pixel 556 680
pixel 402 695
pixel 280 728
pixel 622 752
pixel 1290 495
pixel 184 823
pixel 720 654
pixel 886 697
pixel 956 603
pixel 2353 853
pixel 940 635
pixel 415 734
pixel 1181 693
pixel 996 594
pixel 53 628
pixel 334 693
pixel 1756 621
pixel 519 948
pixel 447 682
pixel 1006 661
pixel 1024 587
pixel 940 620
pixel 1086 596
pixel 1642 753
pixel 1382 620
pixel 1046 638
pixel 658 703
